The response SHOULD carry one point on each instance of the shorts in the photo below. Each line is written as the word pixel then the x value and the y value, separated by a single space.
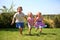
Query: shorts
pixel 41 26
pixel 20 24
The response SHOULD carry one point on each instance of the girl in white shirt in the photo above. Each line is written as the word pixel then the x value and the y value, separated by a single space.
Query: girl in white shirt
pixel 18 18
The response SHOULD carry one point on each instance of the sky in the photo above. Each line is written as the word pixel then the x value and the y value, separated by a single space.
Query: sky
pixel 34 6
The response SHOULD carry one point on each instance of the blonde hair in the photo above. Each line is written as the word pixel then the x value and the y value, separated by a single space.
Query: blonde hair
pixel 39 13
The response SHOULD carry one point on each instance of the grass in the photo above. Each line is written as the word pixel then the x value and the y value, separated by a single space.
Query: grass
pixel 13 34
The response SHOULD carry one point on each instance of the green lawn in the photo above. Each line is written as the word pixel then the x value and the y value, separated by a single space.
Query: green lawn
pixel 13 34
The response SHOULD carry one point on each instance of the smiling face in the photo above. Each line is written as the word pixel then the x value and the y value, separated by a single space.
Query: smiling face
pixel 19 9
pixel 30 14
pixel 39 14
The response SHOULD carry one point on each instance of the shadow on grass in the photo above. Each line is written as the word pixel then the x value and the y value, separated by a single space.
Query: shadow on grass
pixel 48 33
pixel 31 34
pixel 8 29
pixel 39 34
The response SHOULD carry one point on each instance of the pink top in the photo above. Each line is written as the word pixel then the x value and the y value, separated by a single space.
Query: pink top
pixel 30 20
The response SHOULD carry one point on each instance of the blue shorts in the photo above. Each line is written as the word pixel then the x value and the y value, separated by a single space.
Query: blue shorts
pixel 20 24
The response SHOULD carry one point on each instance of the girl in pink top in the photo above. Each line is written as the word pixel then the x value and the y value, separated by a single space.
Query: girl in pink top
pixel 30 20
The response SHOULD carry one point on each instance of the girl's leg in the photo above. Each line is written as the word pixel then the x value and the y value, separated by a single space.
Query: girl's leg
pixel 30 30
pixel 36 29
pixel 40 30
pixel 40 27
pixel 20 26
pixel 20 29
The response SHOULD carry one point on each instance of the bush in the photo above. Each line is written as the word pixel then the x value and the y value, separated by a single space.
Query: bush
pixel 5 20
pixel 57 21
pixel 51 21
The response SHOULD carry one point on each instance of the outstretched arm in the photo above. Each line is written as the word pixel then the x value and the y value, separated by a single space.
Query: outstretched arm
pixel 35 20
pixel 43 20
pixel 25 17
pixel 13 20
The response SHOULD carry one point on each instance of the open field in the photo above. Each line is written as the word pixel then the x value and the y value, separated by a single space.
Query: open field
pixel 13 34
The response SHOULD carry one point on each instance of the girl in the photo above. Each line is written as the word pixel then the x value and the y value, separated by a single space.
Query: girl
pixel 39 22
pixel 18 19
pixel 30 20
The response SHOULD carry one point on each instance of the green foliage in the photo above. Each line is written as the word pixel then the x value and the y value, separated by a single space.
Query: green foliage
pixel 5 19
pixel 52 21
pixel 57 21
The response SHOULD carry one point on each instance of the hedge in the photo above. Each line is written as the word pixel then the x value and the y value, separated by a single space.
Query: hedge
pixel 6 18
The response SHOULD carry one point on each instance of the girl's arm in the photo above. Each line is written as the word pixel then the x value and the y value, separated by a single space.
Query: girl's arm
pixel 43 19
pixel 35 20
pixel 13 20
pixel 25 17
pixel 28 20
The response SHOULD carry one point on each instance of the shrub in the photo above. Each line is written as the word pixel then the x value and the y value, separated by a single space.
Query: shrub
pixel 57 21
pixel 51 21
pixel 5 20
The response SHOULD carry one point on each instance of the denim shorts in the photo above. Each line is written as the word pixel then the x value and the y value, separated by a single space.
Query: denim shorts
pixel 20 24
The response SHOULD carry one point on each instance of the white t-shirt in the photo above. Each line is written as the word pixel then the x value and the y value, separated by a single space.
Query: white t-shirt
pixel 19 17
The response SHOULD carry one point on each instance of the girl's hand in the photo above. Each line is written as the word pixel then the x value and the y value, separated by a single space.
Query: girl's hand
pixel 13 20
pixel 12 23
pixel 34 23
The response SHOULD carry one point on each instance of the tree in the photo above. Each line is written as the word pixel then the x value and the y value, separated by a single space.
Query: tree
pixel 6 10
